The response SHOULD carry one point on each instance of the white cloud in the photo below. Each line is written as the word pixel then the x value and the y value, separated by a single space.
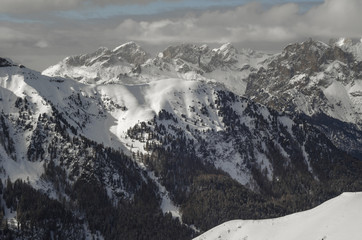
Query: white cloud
pixel 247 23
pixel 42 44
pixel 10 35
pixel 250 25
pixel 335 17
pixel 252 22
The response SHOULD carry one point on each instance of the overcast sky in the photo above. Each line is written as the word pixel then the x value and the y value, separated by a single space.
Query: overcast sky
pixel 39 33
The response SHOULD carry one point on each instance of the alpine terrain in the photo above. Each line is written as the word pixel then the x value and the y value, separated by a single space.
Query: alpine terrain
pixel 120 144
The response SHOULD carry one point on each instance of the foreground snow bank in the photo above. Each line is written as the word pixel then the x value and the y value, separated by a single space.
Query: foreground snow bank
pixel 338 218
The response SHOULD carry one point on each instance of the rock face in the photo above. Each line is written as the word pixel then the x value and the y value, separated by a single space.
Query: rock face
pixel 6 63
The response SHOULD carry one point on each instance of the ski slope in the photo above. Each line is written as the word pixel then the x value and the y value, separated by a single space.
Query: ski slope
pixel 337 219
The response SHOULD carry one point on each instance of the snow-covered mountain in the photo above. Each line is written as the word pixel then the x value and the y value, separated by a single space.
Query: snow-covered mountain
pixel 103 65
pixel 233 133
pixel 321 81
pixel 311 77
pixel 184 81
pixel 129 64
pixel 338 218
pixel 178 131
pixel 51 138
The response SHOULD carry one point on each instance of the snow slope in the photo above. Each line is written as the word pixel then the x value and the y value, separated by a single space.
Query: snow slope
pixel 336 219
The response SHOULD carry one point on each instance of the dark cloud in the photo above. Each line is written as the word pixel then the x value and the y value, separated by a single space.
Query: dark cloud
pixel 36 6
pixel 23 6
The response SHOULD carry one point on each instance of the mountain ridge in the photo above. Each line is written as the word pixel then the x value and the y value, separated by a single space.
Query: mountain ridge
pixel 310 78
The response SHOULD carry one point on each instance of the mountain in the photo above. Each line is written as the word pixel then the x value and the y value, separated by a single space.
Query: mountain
pixel 185 61
pixel 310 77
pixel 103 65
pixel 175 144
pixel 318 80
pixel 50 170
pixel 335 219
pixel 201 109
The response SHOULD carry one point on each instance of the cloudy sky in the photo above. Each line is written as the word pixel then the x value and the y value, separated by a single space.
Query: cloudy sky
pixel 39 33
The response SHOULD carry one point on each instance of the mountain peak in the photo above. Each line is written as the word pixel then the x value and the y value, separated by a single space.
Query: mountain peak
pixel 227 53
pixel 132 53
pixel 130 44
pixel 312 55
pixel 309 46
pixel 227 47
pixel 186 51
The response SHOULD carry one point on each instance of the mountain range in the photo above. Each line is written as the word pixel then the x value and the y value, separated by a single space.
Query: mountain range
pixel 120 144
